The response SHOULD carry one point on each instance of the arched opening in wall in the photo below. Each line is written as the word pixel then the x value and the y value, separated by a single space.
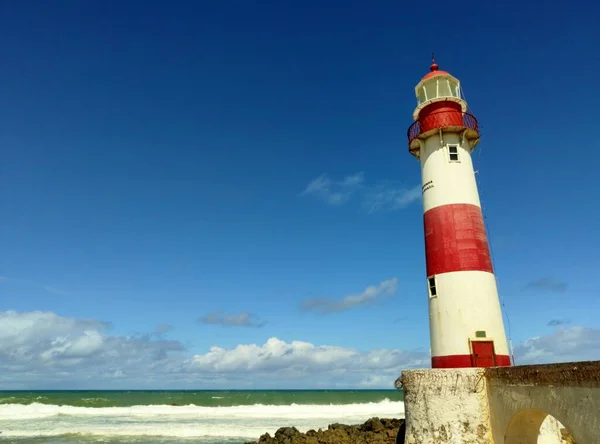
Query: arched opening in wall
pixel 532 426
pixel 552 432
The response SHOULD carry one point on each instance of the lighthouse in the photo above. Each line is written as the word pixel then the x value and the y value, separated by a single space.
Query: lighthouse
pixel 465 317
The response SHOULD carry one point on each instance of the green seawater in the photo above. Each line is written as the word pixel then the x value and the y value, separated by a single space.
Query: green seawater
pixel 207 398
pixel 172 417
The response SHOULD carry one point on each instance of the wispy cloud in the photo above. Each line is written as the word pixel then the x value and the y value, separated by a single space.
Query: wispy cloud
pixel 373 196
pixel 55 290
pixel 229 320
pixel 547 284
pixel 557 322
pixel 335 192
pixel 381 198
pixel 370 295
pixel 163 328
pixel 29 282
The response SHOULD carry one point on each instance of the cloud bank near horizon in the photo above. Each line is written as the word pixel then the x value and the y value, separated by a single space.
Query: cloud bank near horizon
pixel 46 350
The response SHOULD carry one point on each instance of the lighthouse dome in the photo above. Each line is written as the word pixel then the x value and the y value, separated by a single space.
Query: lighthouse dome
pixel 434 70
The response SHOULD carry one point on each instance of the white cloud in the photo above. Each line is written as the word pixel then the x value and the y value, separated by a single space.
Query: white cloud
pixel 374 197
pixel 306 363
pixel 242 320
pixel 370 295
pixel 44 349
pixel 563 345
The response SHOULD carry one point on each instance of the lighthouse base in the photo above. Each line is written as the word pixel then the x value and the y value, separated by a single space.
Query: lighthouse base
pixel 446 406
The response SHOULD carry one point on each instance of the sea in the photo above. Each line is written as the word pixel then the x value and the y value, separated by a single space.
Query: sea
pixel 176 417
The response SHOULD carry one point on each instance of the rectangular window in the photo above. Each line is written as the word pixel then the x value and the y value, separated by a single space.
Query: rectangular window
pixel 432 289
pixel 453 153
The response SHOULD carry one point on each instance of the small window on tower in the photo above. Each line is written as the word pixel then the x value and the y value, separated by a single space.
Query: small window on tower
pixel 432 289
pixel 453 153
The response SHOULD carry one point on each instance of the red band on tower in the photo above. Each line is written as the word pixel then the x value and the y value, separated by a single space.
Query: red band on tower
pixel 455 239
pixel 462 361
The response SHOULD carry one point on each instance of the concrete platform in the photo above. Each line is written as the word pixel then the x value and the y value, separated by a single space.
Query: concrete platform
pixel 503 405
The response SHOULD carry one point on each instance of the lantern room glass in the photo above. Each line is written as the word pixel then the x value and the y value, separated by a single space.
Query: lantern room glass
pixel 436 87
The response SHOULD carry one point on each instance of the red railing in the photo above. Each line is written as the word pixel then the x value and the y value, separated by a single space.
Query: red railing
pixel 443 119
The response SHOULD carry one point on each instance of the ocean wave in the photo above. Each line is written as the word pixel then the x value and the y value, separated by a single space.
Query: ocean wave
pixel 183 421
pixel 93 400
pixel 38 410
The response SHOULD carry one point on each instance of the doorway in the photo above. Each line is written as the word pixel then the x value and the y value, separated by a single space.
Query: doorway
pixel 483 354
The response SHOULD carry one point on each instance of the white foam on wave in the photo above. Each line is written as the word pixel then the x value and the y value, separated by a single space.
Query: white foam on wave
pixel 248 421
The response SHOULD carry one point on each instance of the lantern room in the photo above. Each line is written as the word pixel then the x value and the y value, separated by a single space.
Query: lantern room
pixel 435 86
pixel 440 108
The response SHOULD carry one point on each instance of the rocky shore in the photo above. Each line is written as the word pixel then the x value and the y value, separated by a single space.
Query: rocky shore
pixel 374 431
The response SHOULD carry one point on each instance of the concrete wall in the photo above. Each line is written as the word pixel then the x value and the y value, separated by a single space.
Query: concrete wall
pixel 521 397
pixel 503 405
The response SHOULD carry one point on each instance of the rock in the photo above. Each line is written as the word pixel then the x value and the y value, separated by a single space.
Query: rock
pixel 287 431
pixel 372 425
pixel 373 431
pixel 566 437
pixel 264 439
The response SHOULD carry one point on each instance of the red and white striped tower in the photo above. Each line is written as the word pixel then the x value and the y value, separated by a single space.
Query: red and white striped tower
pixel 465 318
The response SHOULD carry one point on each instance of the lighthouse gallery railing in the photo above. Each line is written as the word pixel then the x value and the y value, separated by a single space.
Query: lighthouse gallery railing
pixel 443 119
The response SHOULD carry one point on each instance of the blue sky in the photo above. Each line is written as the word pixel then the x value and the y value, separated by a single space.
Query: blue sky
pixel 157 163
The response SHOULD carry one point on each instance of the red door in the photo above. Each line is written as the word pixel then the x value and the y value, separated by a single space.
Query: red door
pixel 483 354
